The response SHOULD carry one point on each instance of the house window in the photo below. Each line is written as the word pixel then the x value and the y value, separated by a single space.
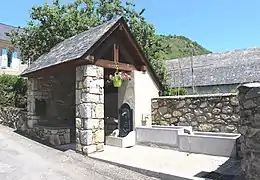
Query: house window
pixel 9 58
pixel 13 60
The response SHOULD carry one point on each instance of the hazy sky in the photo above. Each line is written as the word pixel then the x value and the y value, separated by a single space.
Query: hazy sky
pixel 218 25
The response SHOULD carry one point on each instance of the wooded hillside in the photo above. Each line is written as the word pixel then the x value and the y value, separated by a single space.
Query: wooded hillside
pixel 181 46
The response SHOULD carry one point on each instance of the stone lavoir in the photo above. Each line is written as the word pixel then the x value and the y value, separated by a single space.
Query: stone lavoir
pixel 212 113
pixel 67 92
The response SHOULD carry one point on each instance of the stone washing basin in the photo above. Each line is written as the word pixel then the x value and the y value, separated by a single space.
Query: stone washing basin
pixel 218 144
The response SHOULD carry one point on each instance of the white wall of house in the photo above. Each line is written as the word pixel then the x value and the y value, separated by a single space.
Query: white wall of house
pixel 12 65
pixel 126 93
pixel 145 89
pixel 138 93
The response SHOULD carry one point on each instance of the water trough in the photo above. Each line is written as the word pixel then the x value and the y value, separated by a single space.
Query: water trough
pixel 186 140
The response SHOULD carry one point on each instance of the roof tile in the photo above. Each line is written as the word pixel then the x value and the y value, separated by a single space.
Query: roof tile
pixel 230 67
pixel 71 48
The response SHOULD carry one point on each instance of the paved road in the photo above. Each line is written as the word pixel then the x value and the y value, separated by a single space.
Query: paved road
pixel 24 159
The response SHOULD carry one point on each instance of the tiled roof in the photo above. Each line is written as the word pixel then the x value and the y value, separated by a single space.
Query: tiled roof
pixel 5 29
pixel 71 48
pixel 230 67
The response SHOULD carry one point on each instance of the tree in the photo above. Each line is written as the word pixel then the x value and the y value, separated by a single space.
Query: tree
pixel 51 24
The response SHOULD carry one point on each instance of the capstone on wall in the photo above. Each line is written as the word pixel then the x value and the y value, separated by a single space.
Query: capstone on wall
pixel 211 113
pixel 213 89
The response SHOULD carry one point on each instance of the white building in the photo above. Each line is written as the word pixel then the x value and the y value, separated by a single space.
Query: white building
pixel 10 63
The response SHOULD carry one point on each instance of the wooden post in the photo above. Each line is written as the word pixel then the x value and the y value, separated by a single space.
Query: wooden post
pixel 116 53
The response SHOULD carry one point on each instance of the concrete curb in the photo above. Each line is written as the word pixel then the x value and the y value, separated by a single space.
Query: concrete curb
pixel 150 173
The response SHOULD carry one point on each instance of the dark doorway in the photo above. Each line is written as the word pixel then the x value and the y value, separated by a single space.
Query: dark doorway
pixel 110 104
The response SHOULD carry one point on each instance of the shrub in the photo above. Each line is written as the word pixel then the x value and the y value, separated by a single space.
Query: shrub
pixel 177 91
pixel 13 91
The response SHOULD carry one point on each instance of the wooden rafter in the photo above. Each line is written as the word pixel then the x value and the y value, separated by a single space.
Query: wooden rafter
pixel 116 53
pixel 111 65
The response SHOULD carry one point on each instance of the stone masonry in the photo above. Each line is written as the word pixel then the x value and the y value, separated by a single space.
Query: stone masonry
pixel 33 93
pixel 249 127
pixel 89 109
pixel 59 93
pixel 212 113
pixel 52 135
pixel 13 117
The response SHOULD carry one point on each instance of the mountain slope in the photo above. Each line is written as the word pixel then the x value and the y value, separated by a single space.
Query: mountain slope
pixel 181 46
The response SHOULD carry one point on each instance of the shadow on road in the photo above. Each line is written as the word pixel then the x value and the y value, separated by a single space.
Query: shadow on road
pixel 230 170
pixel 46 143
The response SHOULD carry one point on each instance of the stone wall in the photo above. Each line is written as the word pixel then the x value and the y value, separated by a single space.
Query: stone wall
pixel 212 113
pixel 58 91
pixel 249 127
pixel 13 117
pixel 52 135
pixel 32 94
pixel 89 109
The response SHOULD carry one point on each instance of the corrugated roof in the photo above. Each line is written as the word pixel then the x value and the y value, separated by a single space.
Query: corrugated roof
pixel 71 48
pixel 230 67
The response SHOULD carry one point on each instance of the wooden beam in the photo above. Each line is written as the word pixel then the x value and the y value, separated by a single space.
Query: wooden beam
pixel 101 41
pixel 116 53
pixel 111 65
pixel 126 54
pixel 141 55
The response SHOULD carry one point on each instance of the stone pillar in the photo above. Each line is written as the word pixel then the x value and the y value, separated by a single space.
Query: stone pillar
pixel 32 119
pixel 249 98
pixel 89 109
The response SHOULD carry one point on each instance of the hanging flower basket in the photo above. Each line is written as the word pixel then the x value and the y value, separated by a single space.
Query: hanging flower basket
pixel 117 83
pixel 118 78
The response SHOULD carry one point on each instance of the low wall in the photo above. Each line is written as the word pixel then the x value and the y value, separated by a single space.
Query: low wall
pixel 207 113
pixel 14 118
pixel 17 118
pixel 53 135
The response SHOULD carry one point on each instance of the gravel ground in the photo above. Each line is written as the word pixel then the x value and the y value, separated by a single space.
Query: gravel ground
pixel 24 159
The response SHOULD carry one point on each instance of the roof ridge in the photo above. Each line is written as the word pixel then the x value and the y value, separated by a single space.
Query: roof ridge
pixel 216 53
pixel 8 25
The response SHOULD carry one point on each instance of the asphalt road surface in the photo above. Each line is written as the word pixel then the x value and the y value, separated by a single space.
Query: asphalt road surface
pixel 25 159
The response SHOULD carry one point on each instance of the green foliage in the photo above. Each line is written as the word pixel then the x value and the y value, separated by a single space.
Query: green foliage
pixel 177 91
pixel 13 91
pixel 217 90
pixel 235 90
pixel 51 24
pixel 181 46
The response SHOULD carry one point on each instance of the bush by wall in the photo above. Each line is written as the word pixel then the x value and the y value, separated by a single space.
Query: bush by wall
pixel 177 91
pixel 13 91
